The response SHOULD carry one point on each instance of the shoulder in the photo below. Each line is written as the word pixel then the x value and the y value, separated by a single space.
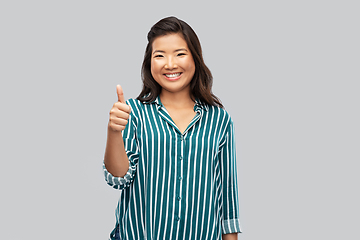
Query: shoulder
pixel 132 102
pixel 137 106
pixel 221 112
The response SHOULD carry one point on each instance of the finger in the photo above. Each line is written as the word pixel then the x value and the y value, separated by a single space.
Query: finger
pixel 114 112
pixel 121 114
pixel 120 94
pixel 119 121
pixel 116 128
pixel 123 107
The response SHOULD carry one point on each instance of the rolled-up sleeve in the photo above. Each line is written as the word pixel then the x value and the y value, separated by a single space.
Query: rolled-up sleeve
pixel 132 151
pixel 230 202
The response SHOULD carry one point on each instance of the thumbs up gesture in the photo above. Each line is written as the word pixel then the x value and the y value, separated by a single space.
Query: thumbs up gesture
pixel 119 113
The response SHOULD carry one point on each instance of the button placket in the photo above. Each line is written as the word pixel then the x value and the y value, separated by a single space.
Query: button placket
pixel 182 147
pixel 179 171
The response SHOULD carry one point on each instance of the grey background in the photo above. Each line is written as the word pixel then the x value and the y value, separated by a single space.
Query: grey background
pixel 286 71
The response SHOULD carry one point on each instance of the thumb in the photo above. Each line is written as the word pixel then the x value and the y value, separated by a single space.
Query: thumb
pixel 120 94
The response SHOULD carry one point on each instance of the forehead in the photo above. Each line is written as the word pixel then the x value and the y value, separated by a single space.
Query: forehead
pixel 169 42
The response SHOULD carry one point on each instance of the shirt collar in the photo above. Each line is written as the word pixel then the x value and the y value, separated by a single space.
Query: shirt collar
pixel 157 102
pixel 198 104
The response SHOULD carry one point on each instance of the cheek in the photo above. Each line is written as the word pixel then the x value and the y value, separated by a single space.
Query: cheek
pixel 154 67
pixel 190 65
pixel 155 71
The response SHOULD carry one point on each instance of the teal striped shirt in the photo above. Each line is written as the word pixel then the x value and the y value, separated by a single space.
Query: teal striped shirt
pixel 179 185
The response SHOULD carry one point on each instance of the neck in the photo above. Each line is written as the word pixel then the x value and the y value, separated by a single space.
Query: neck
pixel 178 99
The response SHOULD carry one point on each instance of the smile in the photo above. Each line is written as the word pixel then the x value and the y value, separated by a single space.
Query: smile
pixel 172 76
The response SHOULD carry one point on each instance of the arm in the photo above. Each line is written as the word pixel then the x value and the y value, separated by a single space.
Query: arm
pixel 121 154
pixel 115 159
pixel 230 236
pixel 230 204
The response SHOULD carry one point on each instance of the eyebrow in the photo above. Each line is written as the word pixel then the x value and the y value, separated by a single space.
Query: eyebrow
pixel 177 50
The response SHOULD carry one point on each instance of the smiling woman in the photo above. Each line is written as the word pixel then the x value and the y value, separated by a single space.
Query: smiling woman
pixel 171 151
pixel 172 65
pixel 201 83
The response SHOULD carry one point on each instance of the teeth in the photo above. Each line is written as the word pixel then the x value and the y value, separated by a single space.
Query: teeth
pixel 172 75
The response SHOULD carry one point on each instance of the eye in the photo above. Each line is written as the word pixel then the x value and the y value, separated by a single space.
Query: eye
pixel 181 54
pixel 158 56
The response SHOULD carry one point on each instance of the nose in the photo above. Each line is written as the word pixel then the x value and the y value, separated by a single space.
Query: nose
pixel 170 64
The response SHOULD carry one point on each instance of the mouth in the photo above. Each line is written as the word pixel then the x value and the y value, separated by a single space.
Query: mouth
pixel 172 76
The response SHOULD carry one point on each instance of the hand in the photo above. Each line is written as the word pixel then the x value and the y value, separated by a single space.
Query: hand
pixel 119 113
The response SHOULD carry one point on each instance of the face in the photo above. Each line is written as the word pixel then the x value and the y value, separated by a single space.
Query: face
pixel 172 65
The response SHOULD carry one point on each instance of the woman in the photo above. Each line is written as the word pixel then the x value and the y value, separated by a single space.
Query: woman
pixel 171 151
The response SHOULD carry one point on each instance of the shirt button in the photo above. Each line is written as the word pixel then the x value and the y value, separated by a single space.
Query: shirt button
pixel 182 138
pixel 177 218
pixel 180 178
pixel 178 198
pixel 181 158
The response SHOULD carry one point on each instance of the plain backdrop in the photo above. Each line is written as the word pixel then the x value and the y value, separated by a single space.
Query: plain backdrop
pixel 286 71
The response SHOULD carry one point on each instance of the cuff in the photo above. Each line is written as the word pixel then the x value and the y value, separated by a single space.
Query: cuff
pixel 117 182
pixel 231 226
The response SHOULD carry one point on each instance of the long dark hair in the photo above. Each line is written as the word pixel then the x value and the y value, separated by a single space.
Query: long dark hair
pixel 202 80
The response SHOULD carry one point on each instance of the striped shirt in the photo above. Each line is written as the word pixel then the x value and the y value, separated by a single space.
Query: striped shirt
pixel 179 185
